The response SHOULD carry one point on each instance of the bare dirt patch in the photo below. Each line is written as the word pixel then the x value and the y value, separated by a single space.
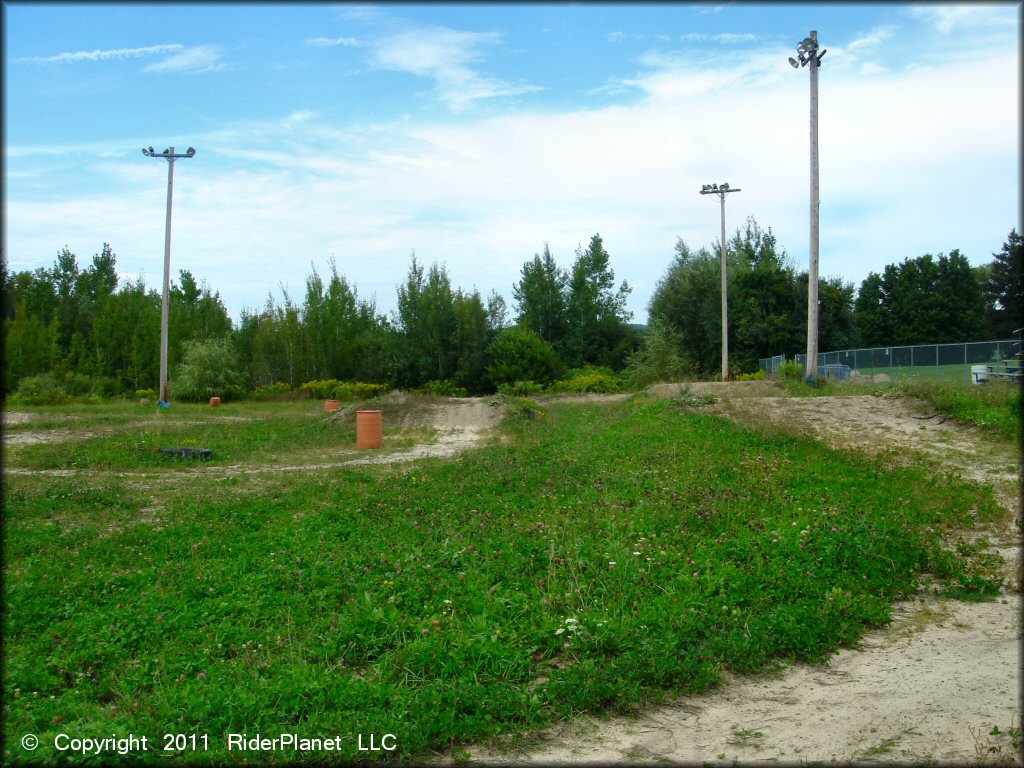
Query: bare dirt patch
pixel 15 417
pixel 928 688
pixel 452 424
pixel 459 424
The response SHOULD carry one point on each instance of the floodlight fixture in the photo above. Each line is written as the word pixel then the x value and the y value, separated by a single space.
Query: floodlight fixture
pixel 793 63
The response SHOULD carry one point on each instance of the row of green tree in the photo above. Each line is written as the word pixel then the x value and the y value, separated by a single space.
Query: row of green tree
pixel 94 334
pixel 924 300
pixel 77 325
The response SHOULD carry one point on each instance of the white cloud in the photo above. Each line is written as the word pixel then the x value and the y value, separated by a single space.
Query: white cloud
pixel 871 68
pixel 671 76
pixel 872 39
pixel 448 57
pixel 69 57
pixel 903 156
pixel 946 17
pixel 199 58
pixel 326 42
pixel 735 38
pixel 725 37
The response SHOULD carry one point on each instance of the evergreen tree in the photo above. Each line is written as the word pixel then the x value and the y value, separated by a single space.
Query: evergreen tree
pixel 427 321
pixel 473 334
pixel 871 317
pixel 1004 290
pixel 595 311
pixel 540 298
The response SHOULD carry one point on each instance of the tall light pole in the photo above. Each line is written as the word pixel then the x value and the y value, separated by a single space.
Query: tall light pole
pixel 807 53
pixel 722 191
pixel 167 154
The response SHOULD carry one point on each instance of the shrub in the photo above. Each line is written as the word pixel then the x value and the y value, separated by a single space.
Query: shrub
pixel 321 389
pixel 594 379
pixel 145 393
pixel 791 370
pixel 77 384
pixel 521 389
pixel 44 389
pixel 758 375
pixel 659 358
pixel 519 354
pixel 209 369
pixel 444 388
pixel 276 391
pixel 358 390
pixel 333 389
pixel 106 387
pixel 519 407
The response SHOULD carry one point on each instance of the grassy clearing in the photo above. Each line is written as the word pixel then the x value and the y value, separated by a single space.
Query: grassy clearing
pixel 599 557
pixel 128 437
pixel 957 373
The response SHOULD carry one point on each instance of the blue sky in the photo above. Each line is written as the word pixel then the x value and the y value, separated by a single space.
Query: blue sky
pixel 473 134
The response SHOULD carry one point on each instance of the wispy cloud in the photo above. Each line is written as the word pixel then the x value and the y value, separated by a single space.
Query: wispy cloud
pixel 449 58
pixel 327 42
pixel 872 39
pixel 199 58
pixel 70 57
pixel 684 74
pixel 947 17
pixel 725 37
pixel 871 68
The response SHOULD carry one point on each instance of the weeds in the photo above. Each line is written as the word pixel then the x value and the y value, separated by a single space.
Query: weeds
pixel 997 746
pixel 592 560
pixel 995 406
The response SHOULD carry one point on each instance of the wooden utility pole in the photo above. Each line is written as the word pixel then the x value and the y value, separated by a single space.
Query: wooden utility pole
pixel 722 191
pixel 170 157
pixel 807 53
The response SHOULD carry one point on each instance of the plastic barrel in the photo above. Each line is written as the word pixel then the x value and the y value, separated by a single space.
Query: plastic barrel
pixel 369 429
pixel 214 402
pixel 332 405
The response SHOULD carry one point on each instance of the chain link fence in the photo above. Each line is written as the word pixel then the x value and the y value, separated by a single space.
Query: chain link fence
pixel 948 360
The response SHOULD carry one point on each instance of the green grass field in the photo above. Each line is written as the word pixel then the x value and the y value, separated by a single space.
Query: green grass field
pixel 593 559
pixel 958 374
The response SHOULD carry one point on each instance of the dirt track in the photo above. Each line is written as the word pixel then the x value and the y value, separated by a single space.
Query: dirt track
pixel 929 688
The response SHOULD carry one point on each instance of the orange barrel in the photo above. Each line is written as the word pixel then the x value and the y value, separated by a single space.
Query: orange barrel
pixel 332 405
pixel 369 429
pixel 214 402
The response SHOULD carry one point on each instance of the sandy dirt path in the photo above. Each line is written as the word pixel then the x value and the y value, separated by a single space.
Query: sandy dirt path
pixel 928 688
